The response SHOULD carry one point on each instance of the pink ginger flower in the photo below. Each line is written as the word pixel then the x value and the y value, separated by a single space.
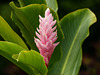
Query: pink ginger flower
pixel 47 35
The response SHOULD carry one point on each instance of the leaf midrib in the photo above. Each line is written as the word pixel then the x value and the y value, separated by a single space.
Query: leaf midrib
pixel 70 49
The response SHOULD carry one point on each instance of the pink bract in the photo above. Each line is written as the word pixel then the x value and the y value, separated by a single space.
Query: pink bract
pixel 47 35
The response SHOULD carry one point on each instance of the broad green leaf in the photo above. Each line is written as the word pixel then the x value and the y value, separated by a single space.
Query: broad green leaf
pixel 75 26
pixel 56 56
pixel 34 59
pixel 10 47
pixel 9 35
pixel 27 19
pixel 7 49
pixel 77 63
pixel 52 4
pixel 24 31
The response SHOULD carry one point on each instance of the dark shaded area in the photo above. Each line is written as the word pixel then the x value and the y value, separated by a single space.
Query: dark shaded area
pixel 91 46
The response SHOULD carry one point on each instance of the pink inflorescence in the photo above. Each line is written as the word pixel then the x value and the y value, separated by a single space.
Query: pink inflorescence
pixel 47 35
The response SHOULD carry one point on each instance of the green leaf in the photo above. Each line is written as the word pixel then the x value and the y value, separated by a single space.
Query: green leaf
pixel 34 59
pixel 75 26
pixel 22 3
pixel 27 19
pixel 24 31
pixel 9 35
pixel 52 4
pixel 56 56
pixel 7 49
pixel 28 2
pixel 10 47
pixel 77 63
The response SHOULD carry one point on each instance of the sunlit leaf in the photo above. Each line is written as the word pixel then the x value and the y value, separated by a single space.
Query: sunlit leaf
pixel 7 49
pixel 9 35
pixel 33 59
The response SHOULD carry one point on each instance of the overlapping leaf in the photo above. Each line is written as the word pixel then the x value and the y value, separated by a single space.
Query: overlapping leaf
pixel 27 19
pixel 29 61
pixel 7 49
pixel 33 59
pixel 9 35
pixel 50 3
pixel 75 27
pixel 28 2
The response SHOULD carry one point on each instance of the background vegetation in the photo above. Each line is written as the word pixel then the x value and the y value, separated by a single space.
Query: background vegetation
pixel 91 46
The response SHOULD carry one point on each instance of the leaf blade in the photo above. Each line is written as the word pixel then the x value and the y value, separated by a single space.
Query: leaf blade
pixel 24 31
pixel 75 27
pixel 33 23
pixel 33 59
pixel 52 4
pixel 28 2
pixel 9 35
pixel 7 49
